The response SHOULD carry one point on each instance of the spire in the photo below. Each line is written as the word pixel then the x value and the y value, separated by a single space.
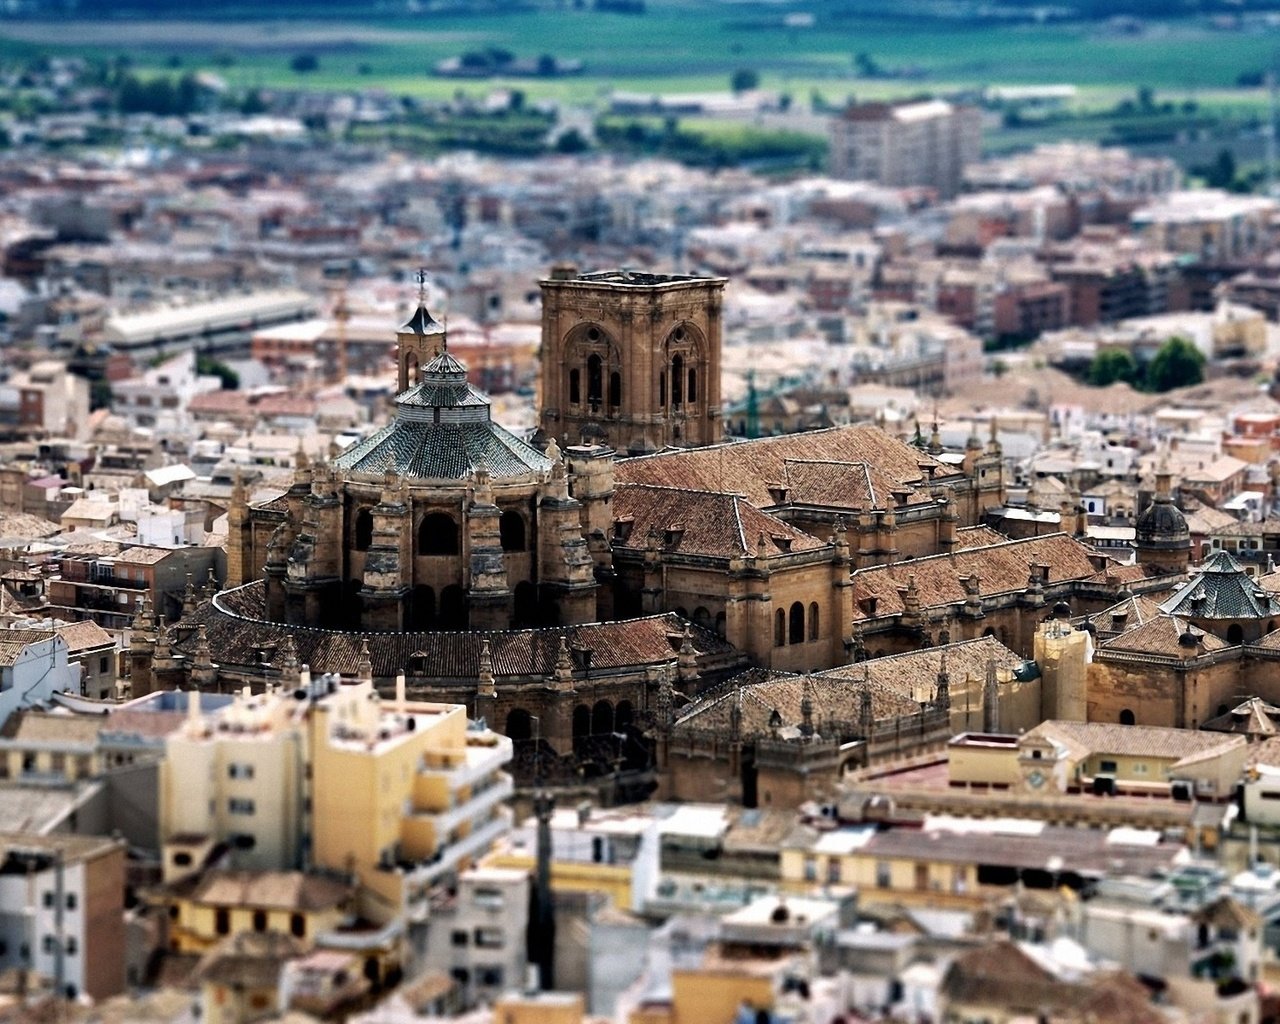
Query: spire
pixel 189 597
pixel 866 714
pixel 287 656
pixel 364 667
pixel 484 677
pixel 942 697
pixel 991 699
pixel 806 706
pixel 564 664
pixel 935 439
pixel 143 621
pixel 688 657
pixel 162 651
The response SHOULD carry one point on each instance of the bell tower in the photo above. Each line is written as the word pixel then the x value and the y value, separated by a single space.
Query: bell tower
pixel 418 342
pixel 631 359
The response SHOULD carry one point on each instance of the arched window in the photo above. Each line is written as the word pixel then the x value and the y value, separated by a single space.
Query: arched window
pixel 519 724
pixel 453 608
pixel 511 530
pixel 438 535
pixel 364 530
pixel 662 390
pixel 602 718
pixel 702 617
pixel 615 390
pixel 526 604
pixel 575 387
pixel 677 373
pixel 422 608
pixel 622 716
pixel 1127 717
pixel 411 368
pixel 796 633
pixel 779 628
pixel 1235 634
pixel 595 381
pixel 693 385
pixel 720 623
pixel 813 621
pixel 581 722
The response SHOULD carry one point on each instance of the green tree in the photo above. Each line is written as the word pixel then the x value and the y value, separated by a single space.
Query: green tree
pixel 304 63
pixel 1178 364
pixel 572 141
pixel 744 79
pixel 1111 365
pixel 211 367
pixel 1222 172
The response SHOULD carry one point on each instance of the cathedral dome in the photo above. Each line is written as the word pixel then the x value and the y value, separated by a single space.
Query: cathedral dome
pixel 1162 526
pixel 443 430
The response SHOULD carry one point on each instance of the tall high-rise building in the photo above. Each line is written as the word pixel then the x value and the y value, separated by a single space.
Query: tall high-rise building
pixel 631 359
pixel 914 144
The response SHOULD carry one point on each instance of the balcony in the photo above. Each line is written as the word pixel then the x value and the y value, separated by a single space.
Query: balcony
pixel 448 857
pixel 481 801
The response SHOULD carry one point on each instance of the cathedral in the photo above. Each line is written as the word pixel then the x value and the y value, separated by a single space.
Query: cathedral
pixel 574 589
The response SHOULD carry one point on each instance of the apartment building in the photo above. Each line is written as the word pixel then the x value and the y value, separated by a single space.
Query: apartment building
pixel 914 144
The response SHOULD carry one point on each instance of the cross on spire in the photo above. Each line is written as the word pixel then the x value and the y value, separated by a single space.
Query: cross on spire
pixel 421 277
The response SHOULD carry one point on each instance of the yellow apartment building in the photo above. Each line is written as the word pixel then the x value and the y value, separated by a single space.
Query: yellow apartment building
pixel 328 774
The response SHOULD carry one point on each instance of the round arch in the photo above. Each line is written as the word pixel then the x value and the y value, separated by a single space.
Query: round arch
pixel 511 531
pixel 362 532
pixel 519 725
pixel 581 722
pixel 438 534
pixel 601 718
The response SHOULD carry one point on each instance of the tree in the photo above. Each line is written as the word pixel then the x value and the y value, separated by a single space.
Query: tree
pixel 1111 365
pixel 304 63
pixel 572 141
pixel 1222 172
pixel 1178 364
pixel 210 367
pixel 744 79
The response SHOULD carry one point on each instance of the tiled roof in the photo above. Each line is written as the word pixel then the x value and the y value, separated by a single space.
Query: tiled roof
pixel 1134 740
pixel 1162 635
pixel 707 522
pixel 978 537
pixel 1253 717
pixel 280 890
pixel 24 526
pixel 1000 568
pixel 442 451
pixel 1221 589
pixel 236 637
pixel 871 458
pixel 14 641
pixel 899 684
pixel 82 636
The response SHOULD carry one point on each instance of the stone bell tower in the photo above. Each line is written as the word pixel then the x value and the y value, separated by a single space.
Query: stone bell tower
pixel 631 359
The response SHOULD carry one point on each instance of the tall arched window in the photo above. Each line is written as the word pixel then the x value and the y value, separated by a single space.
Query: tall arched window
pixel 797 624
pixel 813 621
pixel 677 372
pixel 519 724
pixel 595 381
pixel 438 535
pixel 693 385
pixel 662 390
pixel 615 390
pixel 511 530
pixel 575 387
pixel 779 628
pixel 364 530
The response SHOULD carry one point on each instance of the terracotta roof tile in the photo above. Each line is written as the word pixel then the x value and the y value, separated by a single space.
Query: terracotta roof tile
pixel 867 455
pixel 708 522
pixel 1162 635
pixel 1000 569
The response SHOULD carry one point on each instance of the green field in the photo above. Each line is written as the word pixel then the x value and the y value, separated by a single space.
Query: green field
pixel 677 45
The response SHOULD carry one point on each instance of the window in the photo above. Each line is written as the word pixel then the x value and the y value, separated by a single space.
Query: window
pixel 833 870
pixel 677 373
pixel 46 898
pixel 615 390
pixel 813 621
pixel 511 531
pixel 796 632
pixel 460 938
pixel 884 875
pixel 102 663
pixel 363 530
pixel 49 945
pixel 575 387
pixel 240 771
pixel 489 938
pixel 297 926
pixel 693 386
pixel 1107 767
pixel 438 535
pixel 222 921
pixel 489 977
pixel 779 628
pixel 595 380
pixel 240 805
pixel 72 946
pixel 71 901
pixel 259 920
